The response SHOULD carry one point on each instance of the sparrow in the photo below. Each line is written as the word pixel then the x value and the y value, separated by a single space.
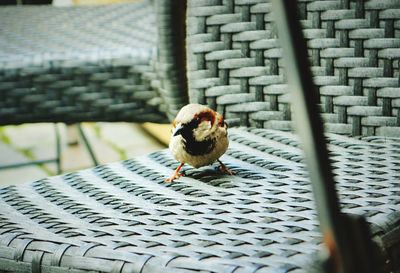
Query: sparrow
pixel 199 138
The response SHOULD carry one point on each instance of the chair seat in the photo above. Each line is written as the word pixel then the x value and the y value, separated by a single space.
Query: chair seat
pixel 37 35
pixel 74 64
pixel 123 217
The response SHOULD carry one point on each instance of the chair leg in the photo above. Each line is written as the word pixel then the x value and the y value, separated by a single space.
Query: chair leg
pixel 58 148
pixel 87 144
pixel 57 159
pixel 72 135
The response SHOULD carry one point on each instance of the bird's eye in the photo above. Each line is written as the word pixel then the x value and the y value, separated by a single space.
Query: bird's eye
pixel 192 124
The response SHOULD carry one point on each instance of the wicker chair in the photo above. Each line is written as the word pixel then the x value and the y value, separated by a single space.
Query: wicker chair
pixel 75 64
pixel 123 217
pixel 98 63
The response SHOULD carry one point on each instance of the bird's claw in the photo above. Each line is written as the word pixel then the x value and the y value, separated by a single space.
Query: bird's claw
pixel 173 177
pixel 225 169
pixel 176 174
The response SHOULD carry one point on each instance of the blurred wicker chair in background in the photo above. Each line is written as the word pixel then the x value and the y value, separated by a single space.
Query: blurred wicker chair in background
pixel 90 63
pixel 123 217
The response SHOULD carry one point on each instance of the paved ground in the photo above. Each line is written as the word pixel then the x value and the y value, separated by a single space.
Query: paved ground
pixel 110 141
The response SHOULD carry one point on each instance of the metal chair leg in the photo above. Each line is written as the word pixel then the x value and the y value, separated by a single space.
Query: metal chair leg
pixel 58 148
pixel 87 145
pixel 346 238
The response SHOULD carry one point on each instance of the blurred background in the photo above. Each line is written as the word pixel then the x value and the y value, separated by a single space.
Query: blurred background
pixel 110 141
pixel 62 2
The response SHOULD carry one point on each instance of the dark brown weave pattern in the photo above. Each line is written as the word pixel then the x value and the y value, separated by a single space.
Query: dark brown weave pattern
pixel 234 63
pixel 123 217
pixel 97 63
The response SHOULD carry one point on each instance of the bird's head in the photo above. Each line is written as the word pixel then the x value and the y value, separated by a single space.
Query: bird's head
pixel 197 121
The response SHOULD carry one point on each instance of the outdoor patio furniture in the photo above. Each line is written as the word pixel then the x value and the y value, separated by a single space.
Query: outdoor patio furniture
pixel 123 217
pixel 90 63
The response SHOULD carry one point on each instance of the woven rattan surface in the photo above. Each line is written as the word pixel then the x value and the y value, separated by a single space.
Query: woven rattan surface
pixel 123 217
pixel 87 63
pixel 234 63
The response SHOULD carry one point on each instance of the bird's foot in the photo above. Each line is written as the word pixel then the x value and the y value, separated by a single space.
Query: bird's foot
pixel 173 177
pixel 176 174
pixel 225 169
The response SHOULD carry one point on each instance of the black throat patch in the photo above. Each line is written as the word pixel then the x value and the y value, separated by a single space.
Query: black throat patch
pixel 194 147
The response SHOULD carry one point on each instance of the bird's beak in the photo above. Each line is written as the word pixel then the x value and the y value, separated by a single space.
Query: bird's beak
pixel 178 130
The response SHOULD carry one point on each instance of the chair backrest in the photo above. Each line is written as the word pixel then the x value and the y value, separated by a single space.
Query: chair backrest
pixel 116 62
pixel 235 66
